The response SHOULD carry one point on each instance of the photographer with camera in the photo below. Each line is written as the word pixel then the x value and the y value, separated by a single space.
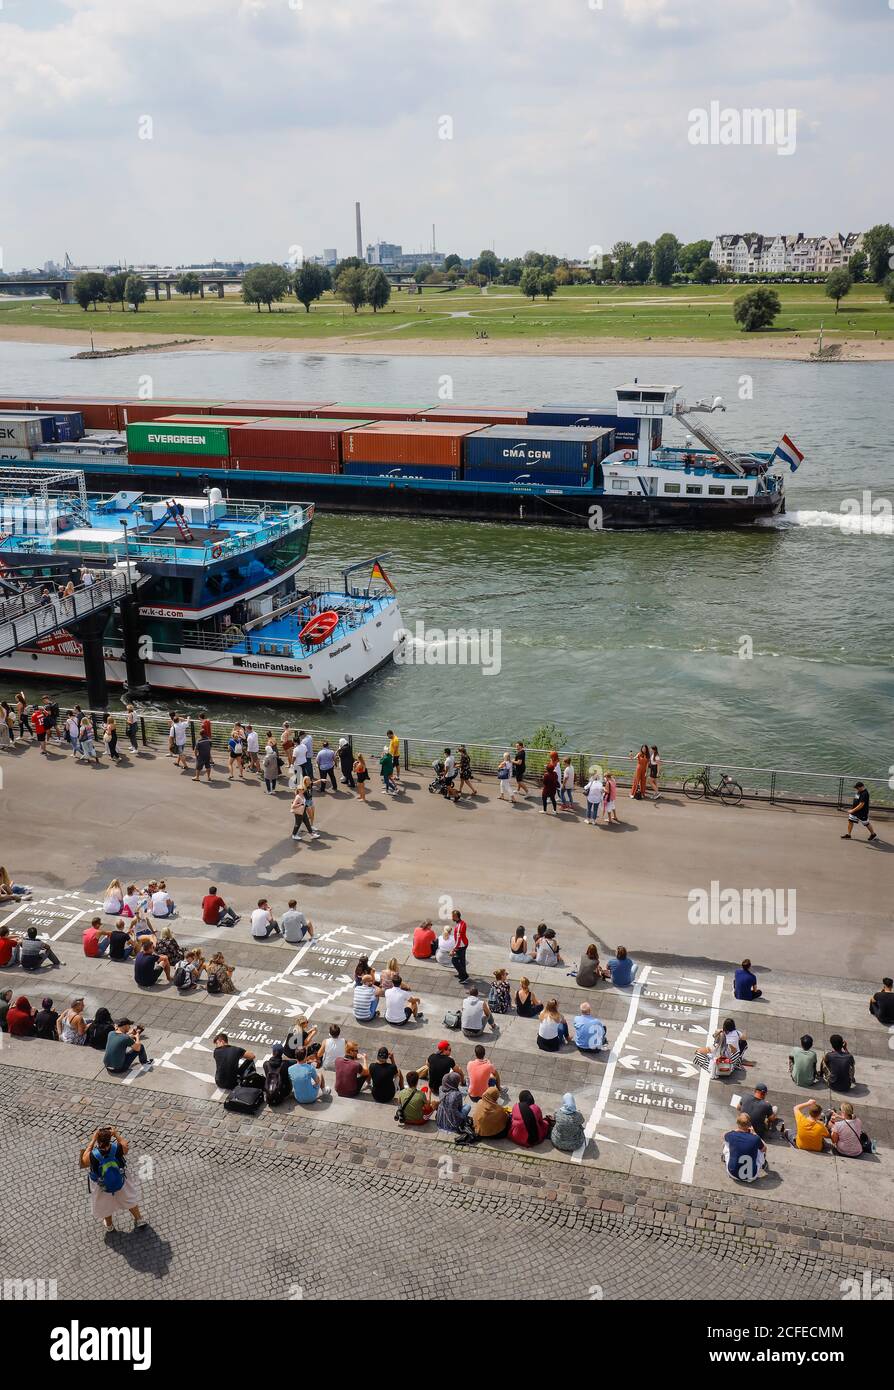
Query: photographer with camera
pixel 124 1047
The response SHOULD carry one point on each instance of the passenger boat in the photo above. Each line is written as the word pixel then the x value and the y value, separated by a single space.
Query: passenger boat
pixel 222 603
pixel 594 466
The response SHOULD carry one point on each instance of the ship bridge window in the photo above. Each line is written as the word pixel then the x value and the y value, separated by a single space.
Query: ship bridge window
pixel 619 484
pixel 694 489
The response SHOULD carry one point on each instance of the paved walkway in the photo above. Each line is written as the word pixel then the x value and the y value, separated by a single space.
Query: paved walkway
pixel 654 1123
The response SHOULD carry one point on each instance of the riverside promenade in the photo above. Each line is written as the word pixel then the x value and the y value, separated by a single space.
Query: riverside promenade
pixel 646 1210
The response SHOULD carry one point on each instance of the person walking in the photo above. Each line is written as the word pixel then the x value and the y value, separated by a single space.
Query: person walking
pixel 179 733
pixel 253 748
pixel 112 1188
pixel 859 813
pixel 566 784
pixel 519 764
pixel 460 945
pixel 203 757
pixel 465 771
pixel 300 816
pixel 236 751
pixel 504 777
pixel 86 736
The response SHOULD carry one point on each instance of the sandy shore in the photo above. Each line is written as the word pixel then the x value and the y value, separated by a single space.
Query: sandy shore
pixel 788 348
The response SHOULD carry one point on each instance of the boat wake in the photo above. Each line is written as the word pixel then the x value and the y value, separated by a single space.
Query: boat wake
pixel 838 521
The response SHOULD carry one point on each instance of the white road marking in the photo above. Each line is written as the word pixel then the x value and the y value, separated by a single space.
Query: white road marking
pixel 70 923
pixel 653 1153
pixel 701 1102
pixel 611 1065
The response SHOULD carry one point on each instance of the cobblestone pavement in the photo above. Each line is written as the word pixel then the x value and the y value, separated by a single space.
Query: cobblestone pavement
pixel 265 1208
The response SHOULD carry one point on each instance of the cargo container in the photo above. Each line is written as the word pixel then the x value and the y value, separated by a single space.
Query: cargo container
pixel 626 430
pixel 166 438
pixel 184 463
pixel 408 441
pixel 22 431
pixel 97 412
pixel 135 411
pixel 352 411
pixel 223 420
pixel 17 403
pixel 569 448
pixel 485 472
pixel 268 409
pixel 69 426
pixel 11 452
pixel 297 466
pixel 45 419
pixel 293 439
pixel 477 415
pixel 435 471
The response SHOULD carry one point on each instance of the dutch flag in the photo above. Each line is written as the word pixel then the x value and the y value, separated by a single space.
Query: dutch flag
pixel 789 453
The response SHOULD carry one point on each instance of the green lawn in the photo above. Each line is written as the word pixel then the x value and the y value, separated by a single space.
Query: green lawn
pixel 584 311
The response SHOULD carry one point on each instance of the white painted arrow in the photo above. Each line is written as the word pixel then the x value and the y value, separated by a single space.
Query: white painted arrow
pixel 654 1153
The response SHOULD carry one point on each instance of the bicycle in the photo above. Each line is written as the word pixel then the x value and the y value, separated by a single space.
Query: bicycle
pixel 729 792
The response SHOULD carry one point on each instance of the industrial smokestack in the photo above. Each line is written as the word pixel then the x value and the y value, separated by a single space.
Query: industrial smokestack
pixel 359 232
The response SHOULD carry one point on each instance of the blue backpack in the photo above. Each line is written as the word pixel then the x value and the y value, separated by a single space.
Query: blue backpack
pixel 107 1169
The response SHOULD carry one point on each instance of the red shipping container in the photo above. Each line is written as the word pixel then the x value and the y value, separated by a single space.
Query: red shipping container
pixel 98 412
pixel 133 412
pixel 371 412
pixel 283 465
pixel 484 415
pixel 410 442
pixel 271 409
pixel 294 439
pixel 22 403
pixel 191 419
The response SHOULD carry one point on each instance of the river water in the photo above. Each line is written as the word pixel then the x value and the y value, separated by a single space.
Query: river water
pixel 616 638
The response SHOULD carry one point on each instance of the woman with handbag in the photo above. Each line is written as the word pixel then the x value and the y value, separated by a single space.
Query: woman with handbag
pixel 847 1136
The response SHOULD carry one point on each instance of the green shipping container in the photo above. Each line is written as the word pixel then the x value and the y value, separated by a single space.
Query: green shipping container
pixel 163 437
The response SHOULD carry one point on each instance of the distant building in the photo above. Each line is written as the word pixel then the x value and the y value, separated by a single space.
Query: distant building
pixel 750 253
pixel 411 260
pixel 330 256
pixel 383 253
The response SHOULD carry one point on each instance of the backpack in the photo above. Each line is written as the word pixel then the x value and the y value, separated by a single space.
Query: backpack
pixel 107 1170
pixel 212 984
pixel 245 1099
pixel 274 1086
pixel 453 1018
pixel 183 977
pixel 503 772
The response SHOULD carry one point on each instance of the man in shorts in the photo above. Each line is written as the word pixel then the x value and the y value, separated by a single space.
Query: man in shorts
pixel 859 813
pixel 519 763
pixel 39 725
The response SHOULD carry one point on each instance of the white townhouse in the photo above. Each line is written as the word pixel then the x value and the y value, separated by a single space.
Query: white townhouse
pixel 749 253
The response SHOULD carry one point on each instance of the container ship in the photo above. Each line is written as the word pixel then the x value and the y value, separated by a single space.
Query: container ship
pixel 217 601
pixel 562 464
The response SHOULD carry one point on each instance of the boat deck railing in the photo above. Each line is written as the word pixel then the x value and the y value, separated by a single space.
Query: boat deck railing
pixel 57 612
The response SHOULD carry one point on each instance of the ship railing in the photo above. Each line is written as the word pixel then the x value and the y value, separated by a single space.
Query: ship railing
pixel 770 785
pixel 63 612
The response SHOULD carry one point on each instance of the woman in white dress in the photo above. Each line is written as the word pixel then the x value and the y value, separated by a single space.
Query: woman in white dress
pixel 112 1188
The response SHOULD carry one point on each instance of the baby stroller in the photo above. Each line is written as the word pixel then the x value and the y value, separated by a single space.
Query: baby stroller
pixel 439 783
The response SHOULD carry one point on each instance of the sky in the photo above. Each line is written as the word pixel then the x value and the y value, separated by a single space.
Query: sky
pixel 176 131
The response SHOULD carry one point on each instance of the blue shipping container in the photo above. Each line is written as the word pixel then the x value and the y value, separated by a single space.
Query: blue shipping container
pixel 525 446
pixel 545 477
pixel 47 422
pixel 427 471
pixel 69 426
pixel 626 430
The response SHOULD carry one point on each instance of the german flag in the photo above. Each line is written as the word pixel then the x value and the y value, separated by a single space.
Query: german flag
pixel 379 573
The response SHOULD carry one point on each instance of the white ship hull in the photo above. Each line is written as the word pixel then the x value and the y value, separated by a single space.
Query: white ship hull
pixel 336 667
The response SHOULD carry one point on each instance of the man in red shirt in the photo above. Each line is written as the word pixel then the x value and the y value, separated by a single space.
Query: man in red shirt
pixel 205 727
pixel 425 942
pixel 460 946
pixel 39 725
pixel 215 912
pixel 96 939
